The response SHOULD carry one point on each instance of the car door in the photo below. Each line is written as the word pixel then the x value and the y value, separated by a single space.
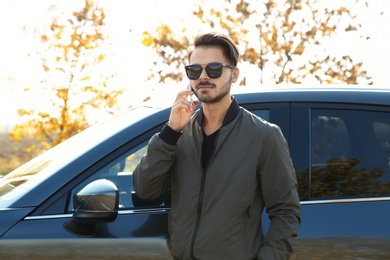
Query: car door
pixel 341 153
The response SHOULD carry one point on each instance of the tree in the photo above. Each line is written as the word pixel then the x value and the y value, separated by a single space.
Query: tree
pixel 72 89
pixel 283 40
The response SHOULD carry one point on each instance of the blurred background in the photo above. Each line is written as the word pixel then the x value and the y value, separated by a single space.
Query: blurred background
pixel 66 65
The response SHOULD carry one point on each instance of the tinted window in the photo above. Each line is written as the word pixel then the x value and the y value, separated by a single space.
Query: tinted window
pixel 264 113
pixel 120 172
pixel 382 132
pixel 350 154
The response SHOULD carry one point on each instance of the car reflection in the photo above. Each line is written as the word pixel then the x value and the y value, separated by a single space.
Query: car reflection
pixel 341 178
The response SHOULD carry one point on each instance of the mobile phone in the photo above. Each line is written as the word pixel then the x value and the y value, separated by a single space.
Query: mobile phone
pixel 191 99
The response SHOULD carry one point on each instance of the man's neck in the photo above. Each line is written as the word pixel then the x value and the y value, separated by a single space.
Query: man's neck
pixel 214 114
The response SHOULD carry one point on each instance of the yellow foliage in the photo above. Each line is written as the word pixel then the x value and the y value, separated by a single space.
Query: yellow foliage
pixel 76 41
pixel 23 112
pixel 147 39
pixel 164 31
pixel 45 68
pixel 300 49
pixel 251 55
pixel 17 132
pixel 62 93
pixel 278 32
pixel 44 38
pixel 101 57
pixel 31 148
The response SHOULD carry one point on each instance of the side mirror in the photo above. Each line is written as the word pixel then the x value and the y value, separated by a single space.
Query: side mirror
pixel 96 203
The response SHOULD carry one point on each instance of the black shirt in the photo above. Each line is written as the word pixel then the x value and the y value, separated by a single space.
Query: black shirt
pixel 208 147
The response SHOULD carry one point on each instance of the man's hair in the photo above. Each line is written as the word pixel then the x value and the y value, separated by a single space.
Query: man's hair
pixel 230 50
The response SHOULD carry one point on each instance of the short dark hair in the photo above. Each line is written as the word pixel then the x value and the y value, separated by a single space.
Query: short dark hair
pixel 229 48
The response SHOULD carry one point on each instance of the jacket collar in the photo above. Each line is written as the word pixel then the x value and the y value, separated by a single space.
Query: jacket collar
pixel 230 115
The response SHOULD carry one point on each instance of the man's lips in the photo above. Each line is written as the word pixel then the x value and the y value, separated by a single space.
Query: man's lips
pixel 205 86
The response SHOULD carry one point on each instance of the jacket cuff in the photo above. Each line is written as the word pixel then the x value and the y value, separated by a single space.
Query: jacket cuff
pixel 169 135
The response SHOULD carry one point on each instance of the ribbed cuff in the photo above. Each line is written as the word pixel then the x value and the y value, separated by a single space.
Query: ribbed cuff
pixel 169 135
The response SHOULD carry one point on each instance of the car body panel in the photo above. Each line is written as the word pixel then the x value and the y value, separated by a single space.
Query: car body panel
pixel 352 218
pixel 129 224
pixel 11 216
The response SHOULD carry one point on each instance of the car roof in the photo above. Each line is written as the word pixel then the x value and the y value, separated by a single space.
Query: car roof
pixel 328 93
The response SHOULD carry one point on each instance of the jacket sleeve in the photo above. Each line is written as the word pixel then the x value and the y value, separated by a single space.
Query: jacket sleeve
pixel 280 195
pixel 151 176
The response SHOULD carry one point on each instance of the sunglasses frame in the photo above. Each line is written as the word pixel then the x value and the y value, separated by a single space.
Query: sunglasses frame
pixel 207 68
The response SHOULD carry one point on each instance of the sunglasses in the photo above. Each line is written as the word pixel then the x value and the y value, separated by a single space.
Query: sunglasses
pixel 213 70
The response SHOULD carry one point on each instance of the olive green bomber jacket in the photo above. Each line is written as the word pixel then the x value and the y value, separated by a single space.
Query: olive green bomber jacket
pixel 216 212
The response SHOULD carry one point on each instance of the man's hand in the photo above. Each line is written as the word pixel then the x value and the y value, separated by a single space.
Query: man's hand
pixel 181 111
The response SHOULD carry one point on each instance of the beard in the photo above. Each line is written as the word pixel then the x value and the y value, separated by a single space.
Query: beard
pixel 225 90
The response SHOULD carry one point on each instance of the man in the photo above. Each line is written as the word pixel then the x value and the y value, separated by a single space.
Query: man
pixel 224 165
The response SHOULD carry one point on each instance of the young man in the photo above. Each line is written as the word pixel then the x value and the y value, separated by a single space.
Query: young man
pixel 224 165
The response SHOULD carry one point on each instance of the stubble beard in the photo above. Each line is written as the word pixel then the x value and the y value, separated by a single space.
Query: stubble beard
pixel 225 90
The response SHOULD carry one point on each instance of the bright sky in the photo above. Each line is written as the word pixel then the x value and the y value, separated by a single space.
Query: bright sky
pixel 126 20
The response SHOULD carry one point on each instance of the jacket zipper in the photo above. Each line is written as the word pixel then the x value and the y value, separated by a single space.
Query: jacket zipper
pixel 198 214
pixel 200 200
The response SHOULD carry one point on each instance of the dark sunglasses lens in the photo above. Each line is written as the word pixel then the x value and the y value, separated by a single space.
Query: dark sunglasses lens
pixel 214 70
pixel 193 71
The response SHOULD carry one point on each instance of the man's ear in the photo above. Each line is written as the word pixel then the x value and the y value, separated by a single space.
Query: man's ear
pixel 236 73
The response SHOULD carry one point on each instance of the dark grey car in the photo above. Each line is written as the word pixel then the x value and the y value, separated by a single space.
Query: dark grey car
pixel 82 189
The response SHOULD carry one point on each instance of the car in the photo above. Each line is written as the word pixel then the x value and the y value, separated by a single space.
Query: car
pixel 339 139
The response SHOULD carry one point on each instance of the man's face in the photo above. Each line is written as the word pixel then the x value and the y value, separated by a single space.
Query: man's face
pixel 207 89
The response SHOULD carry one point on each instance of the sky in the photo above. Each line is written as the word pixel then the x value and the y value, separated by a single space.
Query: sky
pixel 126 20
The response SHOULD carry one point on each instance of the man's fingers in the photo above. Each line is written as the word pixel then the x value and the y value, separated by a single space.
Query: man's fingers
pixel 184 94
pixel 183 103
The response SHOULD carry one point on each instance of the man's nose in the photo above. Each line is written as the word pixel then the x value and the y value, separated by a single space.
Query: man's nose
pixel 203 75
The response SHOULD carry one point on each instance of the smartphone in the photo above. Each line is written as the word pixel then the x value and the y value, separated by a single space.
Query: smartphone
pixel 191 99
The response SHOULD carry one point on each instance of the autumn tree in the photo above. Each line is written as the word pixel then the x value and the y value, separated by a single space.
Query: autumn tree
pixel 283 40
pixel 74 85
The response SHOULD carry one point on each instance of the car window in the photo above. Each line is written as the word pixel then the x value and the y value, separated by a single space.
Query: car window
pixel 382 133
pixel 120 172
pixel 263 113
pixel 350 154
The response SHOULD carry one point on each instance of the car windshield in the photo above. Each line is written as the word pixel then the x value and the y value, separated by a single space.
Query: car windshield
pixel 23 179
